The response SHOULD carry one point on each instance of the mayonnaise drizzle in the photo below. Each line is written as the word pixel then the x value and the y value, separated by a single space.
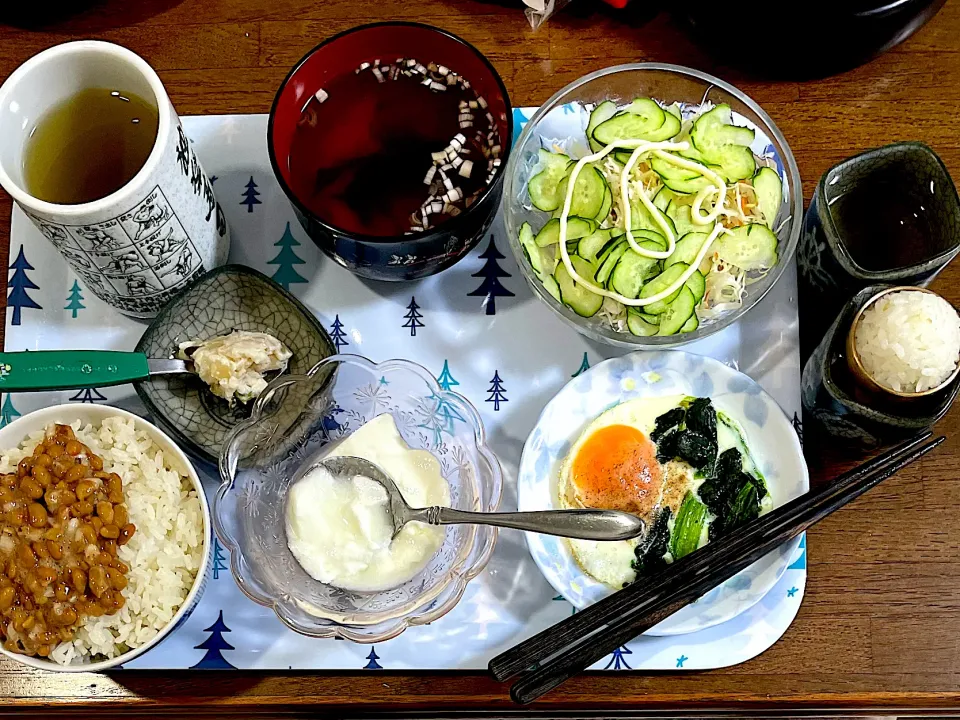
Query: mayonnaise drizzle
pixel 639 148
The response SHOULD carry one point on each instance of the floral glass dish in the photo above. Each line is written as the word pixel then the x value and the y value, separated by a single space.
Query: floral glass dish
pixel 770 437
pixel 228 298
pixel 561 124
pixel 291 423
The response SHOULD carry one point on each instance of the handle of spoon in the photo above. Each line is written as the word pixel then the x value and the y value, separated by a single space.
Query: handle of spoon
pixel 579 524
pixel 69 369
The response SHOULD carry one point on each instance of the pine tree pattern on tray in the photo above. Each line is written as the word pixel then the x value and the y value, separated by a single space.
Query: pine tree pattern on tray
pixel 491 288
pixel 413 317
pixel 584 366
pixel 74 300
pixel 373 657
pixel 88 395
pixel 250 195
pixel 18 297
pixel 8 413
pixel 286 274
pixel 498 393
pixel 617 661
pixel 214 660
pixel 219 560
pixel 337 334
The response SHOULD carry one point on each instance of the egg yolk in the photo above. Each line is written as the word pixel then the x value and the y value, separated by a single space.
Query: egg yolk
pixel 617 469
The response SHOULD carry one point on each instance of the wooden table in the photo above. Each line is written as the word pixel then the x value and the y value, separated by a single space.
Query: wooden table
pixel 879 628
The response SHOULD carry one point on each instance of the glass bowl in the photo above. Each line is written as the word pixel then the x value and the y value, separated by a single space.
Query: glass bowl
pixel 569 108
pixel 390 258
pixel 292 422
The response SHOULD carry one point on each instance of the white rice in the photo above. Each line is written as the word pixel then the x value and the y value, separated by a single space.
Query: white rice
pixel 909 341
pixel 165 551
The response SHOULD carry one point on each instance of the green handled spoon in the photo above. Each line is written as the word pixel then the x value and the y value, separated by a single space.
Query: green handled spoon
pixel 72 369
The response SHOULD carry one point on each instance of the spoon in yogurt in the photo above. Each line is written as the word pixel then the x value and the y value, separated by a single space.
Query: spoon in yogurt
pixel 578 524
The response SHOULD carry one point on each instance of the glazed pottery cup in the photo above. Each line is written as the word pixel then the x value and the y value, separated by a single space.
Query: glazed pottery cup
pixel 848 409
pixel 830 274
pixel 391 258
pixel 139 246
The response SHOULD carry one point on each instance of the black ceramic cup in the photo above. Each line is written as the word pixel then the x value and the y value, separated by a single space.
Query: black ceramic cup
pixel 406 257
pixel 849 411
pixel 889 215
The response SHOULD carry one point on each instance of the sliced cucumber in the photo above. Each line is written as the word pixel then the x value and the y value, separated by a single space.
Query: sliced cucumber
pixel 724 145
pixel 543 187
pixel 660 283
pixel 698 286
pixel 686 249
pixel 592 245
pixel 606 204
pixel 678 312
pixel 749 247
pixel 650 239
pixel 602 112
pixel 733 135
pixel 669 129
pixel 582 301
pixel 619 241
pixel 633 270
pixel 641 118
pixel 610 262
pixel 769 189
pixel 686 187
pixel 577 227
pixel 550 285
pixel 692 323
pixel 668 171
pixel 674 109
pixel 642 219
pixel 682 217
pixel 734 162
pixel 531 250
pixel 707 124
pixel 664 198
pixel 652 319
pixel 639 326
pixel 588 193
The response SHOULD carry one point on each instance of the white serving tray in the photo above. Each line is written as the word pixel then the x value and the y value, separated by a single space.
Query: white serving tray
pixel 522 342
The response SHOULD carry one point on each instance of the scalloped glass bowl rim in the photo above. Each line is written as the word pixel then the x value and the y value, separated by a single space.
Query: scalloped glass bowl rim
pixel 457 576
pixel 625 339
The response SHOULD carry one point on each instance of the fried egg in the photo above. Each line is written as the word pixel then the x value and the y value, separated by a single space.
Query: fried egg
pixel 614 466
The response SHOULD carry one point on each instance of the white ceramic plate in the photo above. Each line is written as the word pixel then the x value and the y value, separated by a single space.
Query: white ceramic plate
pixel 13 434
pixel 770 436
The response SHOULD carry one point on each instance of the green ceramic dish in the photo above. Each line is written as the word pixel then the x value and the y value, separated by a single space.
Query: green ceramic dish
pixel 232 297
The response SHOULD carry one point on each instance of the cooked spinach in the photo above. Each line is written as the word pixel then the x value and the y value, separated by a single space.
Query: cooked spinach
pixel 702 418
pixel 667 446
pixel 649 553
pixel 666 422
pixel 698 450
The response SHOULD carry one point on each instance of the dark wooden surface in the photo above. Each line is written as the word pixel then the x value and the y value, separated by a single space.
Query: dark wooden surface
pixel 879 628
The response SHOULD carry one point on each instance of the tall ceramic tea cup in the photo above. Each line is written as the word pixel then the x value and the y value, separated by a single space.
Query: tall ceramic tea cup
pixel 138 246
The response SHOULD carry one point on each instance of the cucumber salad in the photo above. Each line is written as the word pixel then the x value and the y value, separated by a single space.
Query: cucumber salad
pixel 663 225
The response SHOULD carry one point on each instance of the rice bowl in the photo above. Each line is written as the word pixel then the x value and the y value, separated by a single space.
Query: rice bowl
pixel 167 556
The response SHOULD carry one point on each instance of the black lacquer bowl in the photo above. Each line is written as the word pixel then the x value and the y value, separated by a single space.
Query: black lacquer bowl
pixel 232 297
pixel 390 258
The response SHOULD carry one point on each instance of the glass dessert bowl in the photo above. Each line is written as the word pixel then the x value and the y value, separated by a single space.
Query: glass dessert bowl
pixel 291 423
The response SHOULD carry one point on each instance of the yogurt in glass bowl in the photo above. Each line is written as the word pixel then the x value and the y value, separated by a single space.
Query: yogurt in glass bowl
pixel 299 419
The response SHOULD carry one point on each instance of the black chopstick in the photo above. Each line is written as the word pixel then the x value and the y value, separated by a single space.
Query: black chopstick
pixel 554 639
pixel 647 613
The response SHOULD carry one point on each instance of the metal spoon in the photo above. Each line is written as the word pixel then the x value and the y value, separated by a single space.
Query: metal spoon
pixel 580 524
